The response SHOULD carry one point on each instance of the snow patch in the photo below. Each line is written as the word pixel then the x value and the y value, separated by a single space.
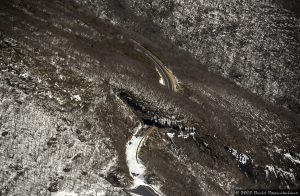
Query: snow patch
pixel 294 158
pixel 279 172
pixel 161 80
pixel 186 136
pixel 240 157
pixel 81 193
pixel 170 135
pixel 136 169
pixel 76 97
pixel 24 75
pixel 65 193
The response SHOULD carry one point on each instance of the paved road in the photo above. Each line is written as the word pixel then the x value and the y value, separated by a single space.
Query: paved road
pixel 171 83
pixel 145 135
pixel 144 191
pixel 167 75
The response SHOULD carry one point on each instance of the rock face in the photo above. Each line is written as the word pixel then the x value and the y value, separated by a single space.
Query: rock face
pixel 73 87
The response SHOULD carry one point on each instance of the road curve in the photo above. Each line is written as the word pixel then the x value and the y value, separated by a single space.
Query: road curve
pixel 171 83
pixel 145 135
pixel 136 168
pixel 166 74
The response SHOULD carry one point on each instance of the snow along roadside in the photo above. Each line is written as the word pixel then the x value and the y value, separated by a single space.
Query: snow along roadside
pixel 161 80
pixel 136 169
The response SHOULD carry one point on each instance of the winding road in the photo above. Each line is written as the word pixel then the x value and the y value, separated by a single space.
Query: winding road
pixel 136 168
pixel 166 74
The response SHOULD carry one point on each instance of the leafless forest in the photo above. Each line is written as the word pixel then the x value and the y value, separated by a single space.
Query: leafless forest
pixel 209 88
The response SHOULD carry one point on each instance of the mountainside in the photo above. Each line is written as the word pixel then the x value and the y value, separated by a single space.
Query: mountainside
pixel 107 97
pixel 253 43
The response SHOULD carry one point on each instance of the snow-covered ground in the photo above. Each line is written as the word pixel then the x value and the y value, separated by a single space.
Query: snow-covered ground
pixel 292 156
pixel 136 169
pixel 91 192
